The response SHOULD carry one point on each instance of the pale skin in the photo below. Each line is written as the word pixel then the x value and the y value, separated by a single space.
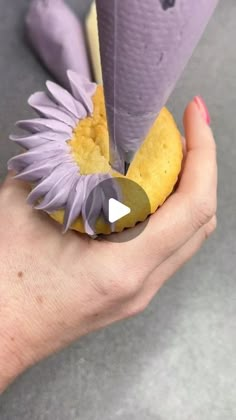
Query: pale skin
pixel 56 288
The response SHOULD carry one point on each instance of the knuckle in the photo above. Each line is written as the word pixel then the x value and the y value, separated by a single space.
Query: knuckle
pixel 210 227
pixel 123 280
pixel 203 212
pixel 121 287
pixel 128 282
pixel 129 286
pixel 136 308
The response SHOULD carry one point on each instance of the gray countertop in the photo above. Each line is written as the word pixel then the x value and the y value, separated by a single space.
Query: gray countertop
pixel 176 361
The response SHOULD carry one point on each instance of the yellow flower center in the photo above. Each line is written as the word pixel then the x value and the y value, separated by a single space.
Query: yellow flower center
pixel 90 141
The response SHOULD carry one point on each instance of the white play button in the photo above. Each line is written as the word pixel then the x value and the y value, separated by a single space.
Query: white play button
pixel 117 210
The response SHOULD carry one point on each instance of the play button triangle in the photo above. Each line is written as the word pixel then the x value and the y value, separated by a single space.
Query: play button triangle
pixel 117 210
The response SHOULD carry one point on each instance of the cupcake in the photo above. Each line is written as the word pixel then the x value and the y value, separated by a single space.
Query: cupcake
pixel 68 156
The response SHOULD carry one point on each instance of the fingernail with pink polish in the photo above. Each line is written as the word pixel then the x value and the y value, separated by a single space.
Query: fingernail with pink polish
pixel 203 109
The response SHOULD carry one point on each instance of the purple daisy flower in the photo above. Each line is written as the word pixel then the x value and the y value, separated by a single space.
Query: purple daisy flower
pixel 48 163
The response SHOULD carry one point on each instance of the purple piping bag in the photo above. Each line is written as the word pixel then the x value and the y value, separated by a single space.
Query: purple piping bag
pixel 57 36
pixel 145 45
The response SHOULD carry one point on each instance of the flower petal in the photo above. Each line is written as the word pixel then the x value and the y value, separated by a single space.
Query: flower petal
pixel 79 80
pixel 37 139
pixel 38 125
pixel 37 154
pixel 29 142
pixel 48 182
pixel 74 203
pixel 64 98
pixel 42 169
pixel 92 204
pixel 92 209
pixel 56 198
pixel 41 103
pixel 80 89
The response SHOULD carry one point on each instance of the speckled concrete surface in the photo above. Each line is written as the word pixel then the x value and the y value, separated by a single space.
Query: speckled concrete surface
pixel 177 360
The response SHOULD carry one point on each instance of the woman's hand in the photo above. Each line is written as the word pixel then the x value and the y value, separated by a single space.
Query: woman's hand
pixel 55 288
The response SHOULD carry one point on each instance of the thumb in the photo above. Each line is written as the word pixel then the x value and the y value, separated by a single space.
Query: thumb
pixel 200 165
pixel 197 125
